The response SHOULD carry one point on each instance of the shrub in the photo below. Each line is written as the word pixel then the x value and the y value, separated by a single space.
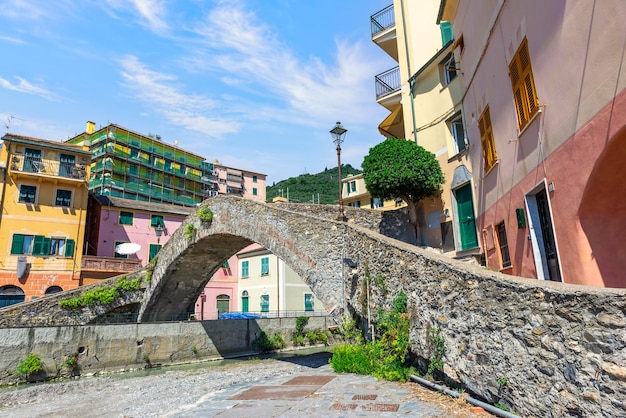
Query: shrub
pixel 29 365
pixel 301 322
pixel 205 214
pixel 266 343
pixel 190 232
pixel 297 339
pixel 312 337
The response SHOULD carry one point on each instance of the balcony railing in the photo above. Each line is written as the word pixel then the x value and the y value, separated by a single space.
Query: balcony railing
pixel 122 265
pixel 387 82
pixel 49 167
pixel 382 20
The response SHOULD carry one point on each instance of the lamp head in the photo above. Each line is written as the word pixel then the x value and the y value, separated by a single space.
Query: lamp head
pixel 338 133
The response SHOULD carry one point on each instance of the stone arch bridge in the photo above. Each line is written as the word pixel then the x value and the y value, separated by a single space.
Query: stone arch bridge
pixel 555 344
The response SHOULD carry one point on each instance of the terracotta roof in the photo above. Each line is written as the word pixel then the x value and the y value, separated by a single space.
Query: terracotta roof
pixel 45 143
pixel 122 203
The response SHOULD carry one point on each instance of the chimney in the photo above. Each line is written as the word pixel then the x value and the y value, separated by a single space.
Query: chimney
pixel 91 127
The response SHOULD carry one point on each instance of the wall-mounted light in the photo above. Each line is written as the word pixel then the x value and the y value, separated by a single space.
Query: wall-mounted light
pixel 158 231
pixel 551 187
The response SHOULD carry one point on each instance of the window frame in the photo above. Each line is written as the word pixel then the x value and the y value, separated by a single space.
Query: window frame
pixel 503 245
pixel 254 191
pixel 448 67
pixel 311 306
pixel 19 198
pixel 151 246
pixel 60 242
pixel 154 224
pixel 21 241
pixel 457 120
pixel 265 266
pixel 132 218
pixel 490 156
pixel 116 255
pixel 56 198
pixel 265 307
pixel 245 269
pixel 523 85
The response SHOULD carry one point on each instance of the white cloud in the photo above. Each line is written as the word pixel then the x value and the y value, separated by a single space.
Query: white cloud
pixel 24 86
pixel 21 9
pixel 13 40
pixel 151 13
pixel 188 111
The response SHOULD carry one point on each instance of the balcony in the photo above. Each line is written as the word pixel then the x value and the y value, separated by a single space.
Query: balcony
pixel 388 88
pixel 36 166
pixel 383 25
pixel 110 264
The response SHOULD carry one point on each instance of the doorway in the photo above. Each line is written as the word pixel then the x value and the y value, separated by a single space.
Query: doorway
pixel 466 219
pixel 542 234
pixel 223 304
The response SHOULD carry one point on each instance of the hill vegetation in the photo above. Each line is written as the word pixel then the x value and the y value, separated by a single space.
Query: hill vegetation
pixel 309 188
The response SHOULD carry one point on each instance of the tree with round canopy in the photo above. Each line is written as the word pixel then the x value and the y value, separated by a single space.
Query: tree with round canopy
pixel 401 168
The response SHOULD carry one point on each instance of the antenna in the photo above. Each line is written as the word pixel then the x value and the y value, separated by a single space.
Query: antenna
pixel 7 124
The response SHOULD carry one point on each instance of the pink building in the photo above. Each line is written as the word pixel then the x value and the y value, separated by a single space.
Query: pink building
pixel 113 221
pixel 247 184
pixel 544 104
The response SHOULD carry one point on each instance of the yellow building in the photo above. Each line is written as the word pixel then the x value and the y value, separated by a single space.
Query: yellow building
pixel 355 194
pixel 42 216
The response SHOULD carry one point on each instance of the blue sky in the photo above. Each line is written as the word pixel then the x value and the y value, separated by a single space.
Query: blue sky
pixel 255 84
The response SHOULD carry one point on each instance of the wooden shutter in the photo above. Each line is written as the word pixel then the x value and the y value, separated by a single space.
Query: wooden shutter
pixel 17 245
pixel 523 84
pixel 39 244
pixel 69 248
pixel 486 139
pixel 154 250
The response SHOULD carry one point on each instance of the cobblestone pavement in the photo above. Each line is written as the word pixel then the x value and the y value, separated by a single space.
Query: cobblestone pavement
pixel 296 386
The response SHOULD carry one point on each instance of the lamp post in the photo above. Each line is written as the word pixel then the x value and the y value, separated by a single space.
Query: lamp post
pixel 158 231
pixel 338 133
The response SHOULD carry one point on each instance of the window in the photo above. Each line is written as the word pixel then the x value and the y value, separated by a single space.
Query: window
pixel 27 194
pixel 157 220
pixel 66 165
pixel 523 83
pixel 265 303
pixel 32 160
pixel 153 251
pixel 245 269
pixel 133 169
pixel 458 133
pixel 375 203
pixel 352 186
pixel 308 301
pixel 254 191
pixel 504 245
pixel 254 179
pixel 115 254
pixel 265 266
pixel 21 244
pixel 63 198
pixel 486 139
pixel 126 218
pixel 57 246
pixel 449 69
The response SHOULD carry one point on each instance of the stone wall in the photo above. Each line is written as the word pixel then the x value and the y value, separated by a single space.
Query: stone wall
pixel 110 348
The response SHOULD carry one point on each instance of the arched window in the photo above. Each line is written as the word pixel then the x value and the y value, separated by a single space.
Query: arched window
pixel 53 289
pixel 244 301
pixel 10 295
pixel 223 304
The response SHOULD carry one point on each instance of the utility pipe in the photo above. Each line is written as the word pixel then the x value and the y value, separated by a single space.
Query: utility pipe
pixel 455 394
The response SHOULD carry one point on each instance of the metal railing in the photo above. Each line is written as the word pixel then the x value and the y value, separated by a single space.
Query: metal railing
pixel 48 167
pixel 131 317
pixel 387 82
pixel 382 20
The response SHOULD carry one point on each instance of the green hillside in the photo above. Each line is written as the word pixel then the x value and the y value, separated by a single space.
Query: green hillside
pixel 306 187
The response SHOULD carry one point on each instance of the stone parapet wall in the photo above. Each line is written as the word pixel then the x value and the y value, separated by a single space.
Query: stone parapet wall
pixel 111 348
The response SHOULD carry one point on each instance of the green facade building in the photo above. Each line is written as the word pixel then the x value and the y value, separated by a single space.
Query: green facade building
pixel 130 165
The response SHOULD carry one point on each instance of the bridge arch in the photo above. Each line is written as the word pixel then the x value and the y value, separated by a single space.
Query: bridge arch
pixel 198 248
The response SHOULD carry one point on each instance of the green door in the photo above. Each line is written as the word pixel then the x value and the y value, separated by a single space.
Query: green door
pixel 244 301
pixel 467 224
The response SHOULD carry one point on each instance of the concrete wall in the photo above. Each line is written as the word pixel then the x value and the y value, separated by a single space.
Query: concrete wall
pixel 108 348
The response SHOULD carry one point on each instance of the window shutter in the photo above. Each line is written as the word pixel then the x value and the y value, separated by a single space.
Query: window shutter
pixel 45 249
pixel 265 265
pixel 244 269
pixel 38 245
pixel 69 248
pixel 17 245
pixel 154 250
pixel 446 32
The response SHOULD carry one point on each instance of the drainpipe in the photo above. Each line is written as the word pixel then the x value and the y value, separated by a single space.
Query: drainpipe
pixel 455 394
pixel 408 67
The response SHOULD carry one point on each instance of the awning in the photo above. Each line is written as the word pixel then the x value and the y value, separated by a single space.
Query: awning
pixel 393 125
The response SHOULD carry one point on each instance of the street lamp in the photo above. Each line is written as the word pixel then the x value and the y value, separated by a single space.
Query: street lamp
pixel 338 133
pixel 158 231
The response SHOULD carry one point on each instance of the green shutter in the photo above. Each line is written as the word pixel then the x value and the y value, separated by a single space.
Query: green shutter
pixel 126 218
pixel 265 265
pixel 39 245
pixel 154 250
pixel 69 248
pixel 45 249
pixel 17 246
pixel 446 32
pixel 244 269
pixel 156 220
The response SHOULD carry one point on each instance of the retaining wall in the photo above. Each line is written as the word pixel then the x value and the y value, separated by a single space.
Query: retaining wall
pixel 117 347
